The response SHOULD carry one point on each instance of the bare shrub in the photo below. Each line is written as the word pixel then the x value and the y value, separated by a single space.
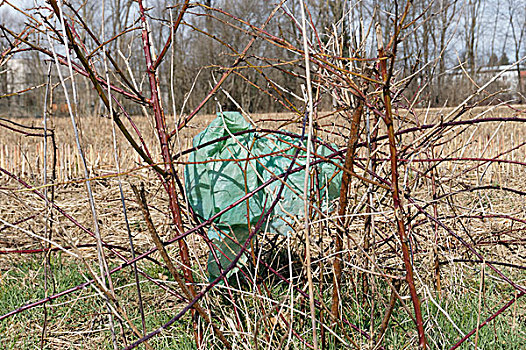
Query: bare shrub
pixel 425 195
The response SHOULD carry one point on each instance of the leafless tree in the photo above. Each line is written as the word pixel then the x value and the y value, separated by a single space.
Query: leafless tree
pixel 516 13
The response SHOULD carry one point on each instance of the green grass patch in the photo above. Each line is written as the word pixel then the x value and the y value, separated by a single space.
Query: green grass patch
pixel 80 319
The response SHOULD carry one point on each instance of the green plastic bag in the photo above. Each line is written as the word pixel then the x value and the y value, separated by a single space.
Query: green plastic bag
pixel 217 175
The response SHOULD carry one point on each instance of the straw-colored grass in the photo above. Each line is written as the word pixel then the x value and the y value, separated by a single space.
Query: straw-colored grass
pixel 78 321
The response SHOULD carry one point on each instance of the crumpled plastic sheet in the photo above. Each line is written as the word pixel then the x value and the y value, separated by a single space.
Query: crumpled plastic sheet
pixel 219 174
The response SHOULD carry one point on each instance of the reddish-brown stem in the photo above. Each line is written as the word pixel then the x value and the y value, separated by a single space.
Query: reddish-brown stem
pixel 399 217
pixel 436 263
pixel 395 191
pixel 344 190
pixel 169 184
pixel 100 91
pixel 226 74
pixel 173 30
pixel 118 70
pixel 388 312
pixel 489 319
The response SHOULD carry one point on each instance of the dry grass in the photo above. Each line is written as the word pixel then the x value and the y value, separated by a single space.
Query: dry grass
pixel 461 212
pixel 23 155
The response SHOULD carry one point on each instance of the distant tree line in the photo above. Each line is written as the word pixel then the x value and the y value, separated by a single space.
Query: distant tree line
pixel 456 38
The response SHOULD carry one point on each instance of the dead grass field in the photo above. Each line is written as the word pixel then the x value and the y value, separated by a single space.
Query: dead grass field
pixel 23 156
